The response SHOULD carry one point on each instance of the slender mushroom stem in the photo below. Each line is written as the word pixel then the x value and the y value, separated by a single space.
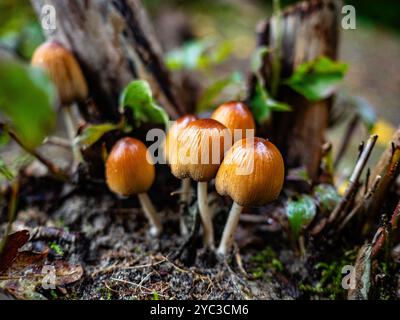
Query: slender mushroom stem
pixel 184 199
pixel 230 227
pixel 151 214
pixel 71 132
pixel 205 214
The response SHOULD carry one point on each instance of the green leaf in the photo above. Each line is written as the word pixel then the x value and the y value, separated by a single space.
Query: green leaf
pixel 327 197
pixel 198 54
pixel 300 213
pixel 138 97
pixel 92 133
pixel 262 105
pixel 257 58
pixel 27 97
pixel 5 171
pixel 215 89
pixel 318 79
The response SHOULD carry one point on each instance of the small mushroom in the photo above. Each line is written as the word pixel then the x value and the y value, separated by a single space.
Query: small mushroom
pixel 129 172
pixel 67 76
pixel 235 115
pixel 200 150
pixel 252 174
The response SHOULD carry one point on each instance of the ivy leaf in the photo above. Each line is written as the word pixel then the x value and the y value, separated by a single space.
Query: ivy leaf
pixel 300 213
pixel 138 97
pixel 262 104
pixel 215 89
pixel 327 197
pixel 92 133
pixel 27 96
pixel 318 79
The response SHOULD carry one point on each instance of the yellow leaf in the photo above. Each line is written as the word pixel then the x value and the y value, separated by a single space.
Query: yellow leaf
pixel 385 131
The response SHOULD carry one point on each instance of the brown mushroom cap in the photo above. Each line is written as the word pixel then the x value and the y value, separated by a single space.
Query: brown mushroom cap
pixel 127 170
pixel 200 150
pixel 264 179
pixel 63 70
pixel 172 136
pixel 235 115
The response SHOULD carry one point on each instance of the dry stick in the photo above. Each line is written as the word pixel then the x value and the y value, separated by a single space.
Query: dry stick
pixel 55 170
pixel 359 205
pixel 355 176
pixel 346 140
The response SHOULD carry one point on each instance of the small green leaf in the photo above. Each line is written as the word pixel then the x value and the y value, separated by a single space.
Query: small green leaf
pixel 27 97
pixel 257 58
pixel 215 89
pixel 300 213
pixel 198 54
pixel 138 97
pixel 5 171
pixel 327 197
pixel 318 79
pixel 92 133
pixel 262 105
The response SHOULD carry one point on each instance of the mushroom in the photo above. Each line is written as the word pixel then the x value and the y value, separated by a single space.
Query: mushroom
pixel 129 172
pixel 235 115
pixel 252 173
pixel 68 79
pixel 200 150
pixel 171 149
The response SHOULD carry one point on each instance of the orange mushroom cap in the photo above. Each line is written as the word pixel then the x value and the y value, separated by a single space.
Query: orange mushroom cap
pixel 252 172
pixel 235 115
pixel 128 171
pixel 63 70
pixel 200 150
pixel 171 139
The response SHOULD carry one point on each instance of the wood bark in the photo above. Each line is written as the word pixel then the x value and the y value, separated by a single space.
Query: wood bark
pixel 308 30
pixel 114 44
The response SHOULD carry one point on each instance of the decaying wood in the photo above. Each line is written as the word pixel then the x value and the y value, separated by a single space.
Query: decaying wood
pixel 308 30
pixel 114 43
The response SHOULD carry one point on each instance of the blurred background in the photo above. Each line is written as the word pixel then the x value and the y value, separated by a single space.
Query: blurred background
pixel 226 30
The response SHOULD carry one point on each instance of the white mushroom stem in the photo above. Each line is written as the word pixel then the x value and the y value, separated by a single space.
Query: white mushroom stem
pixel 230 228
pixel 151 214
pixel 206 217
pixel 71 132
pixel 184 198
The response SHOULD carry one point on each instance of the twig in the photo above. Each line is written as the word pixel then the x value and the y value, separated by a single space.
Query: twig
pixel 59 142
pixel 55 170
pixel 355 176
pixel 359 205
pixel 346 140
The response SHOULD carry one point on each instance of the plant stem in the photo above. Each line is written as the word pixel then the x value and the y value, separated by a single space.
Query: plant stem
pixel 205 214
pixel 230 228
pixel 151 214
pixel 71 132
pixel 55 170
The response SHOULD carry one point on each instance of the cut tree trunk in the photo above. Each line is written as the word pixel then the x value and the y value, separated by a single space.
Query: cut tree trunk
pixel 114 43
pixel 308 30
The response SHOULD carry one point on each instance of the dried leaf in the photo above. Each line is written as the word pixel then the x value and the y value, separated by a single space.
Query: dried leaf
pixel 362 274
pixel 10 250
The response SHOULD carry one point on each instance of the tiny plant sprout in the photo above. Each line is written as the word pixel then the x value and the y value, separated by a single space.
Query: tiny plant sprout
pixel 200 149
pixel 129 172
pixel 68 78
pixel 252 174
pixel 237 117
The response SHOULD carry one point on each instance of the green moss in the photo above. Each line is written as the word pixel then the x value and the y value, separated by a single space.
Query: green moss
pixel 264 261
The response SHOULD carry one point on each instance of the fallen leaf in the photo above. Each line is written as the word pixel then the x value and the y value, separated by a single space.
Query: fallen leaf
pixel 10 250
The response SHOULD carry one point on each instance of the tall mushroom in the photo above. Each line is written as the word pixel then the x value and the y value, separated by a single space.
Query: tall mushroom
pixel 237 117
pixel 252 173
pixel 68 78
pixel 129 172
pixel 200 150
